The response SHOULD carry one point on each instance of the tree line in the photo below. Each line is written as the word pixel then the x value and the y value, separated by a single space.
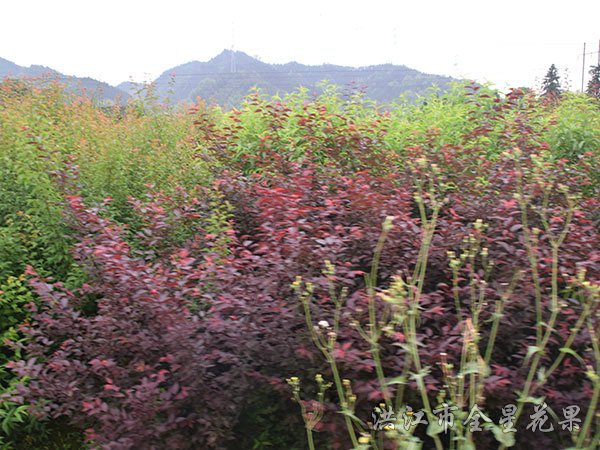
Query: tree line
pixel 551 87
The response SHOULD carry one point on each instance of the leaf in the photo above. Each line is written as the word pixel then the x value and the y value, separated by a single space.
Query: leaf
pixel 348 413
pixel 434 428
pixel 471 367
pixel 467 445
pixel 534 400
pixel 506 439
pixel 573 354
pixel 397 380
pixel 531 350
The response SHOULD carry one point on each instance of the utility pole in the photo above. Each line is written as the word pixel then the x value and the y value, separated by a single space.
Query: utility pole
pixel 583 68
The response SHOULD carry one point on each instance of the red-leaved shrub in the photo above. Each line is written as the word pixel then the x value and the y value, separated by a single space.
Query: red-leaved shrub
pixel 185 323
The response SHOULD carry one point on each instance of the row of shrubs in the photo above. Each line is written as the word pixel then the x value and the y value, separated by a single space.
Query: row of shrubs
pixel 165 272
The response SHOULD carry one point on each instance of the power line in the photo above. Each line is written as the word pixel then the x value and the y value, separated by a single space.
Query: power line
pixel 583 65
pixel 282 73
pixel 583 69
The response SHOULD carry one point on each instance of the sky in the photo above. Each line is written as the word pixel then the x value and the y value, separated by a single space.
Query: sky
pixel 508 43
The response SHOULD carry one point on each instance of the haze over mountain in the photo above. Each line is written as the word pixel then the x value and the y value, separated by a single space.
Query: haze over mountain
pixel 229 76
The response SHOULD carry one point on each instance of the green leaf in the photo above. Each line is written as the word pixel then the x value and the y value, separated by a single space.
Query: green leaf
pixel 471 367
pixel 397 380
pixel 506 439
pixel 412 445
pixel 466 445
pixel 531 350
pixel 535 401
pixel 347 412
pixel 573 354
pixel 434 428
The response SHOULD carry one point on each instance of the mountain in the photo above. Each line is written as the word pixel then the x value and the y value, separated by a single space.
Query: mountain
pixel 107 93
pixel 229 76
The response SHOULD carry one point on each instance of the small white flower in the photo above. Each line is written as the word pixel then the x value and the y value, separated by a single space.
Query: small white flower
pixel 324 324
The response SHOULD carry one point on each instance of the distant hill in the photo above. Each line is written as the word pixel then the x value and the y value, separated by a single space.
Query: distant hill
pixel 229 76
pixel 102 90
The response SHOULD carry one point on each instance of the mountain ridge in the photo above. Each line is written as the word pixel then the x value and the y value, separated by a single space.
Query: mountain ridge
pixel 109 94
pixel 229 76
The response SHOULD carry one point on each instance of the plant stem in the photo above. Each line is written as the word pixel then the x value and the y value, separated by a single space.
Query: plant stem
pixel 594 401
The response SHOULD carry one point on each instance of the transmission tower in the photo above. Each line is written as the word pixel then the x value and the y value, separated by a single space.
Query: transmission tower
pixel 232 68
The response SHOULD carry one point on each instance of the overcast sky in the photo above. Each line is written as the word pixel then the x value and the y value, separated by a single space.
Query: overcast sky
pixel 508 42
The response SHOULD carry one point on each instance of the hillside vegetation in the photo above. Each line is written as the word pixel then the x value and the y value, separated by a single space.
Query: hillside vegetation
pixel 299 272
pixel 228 77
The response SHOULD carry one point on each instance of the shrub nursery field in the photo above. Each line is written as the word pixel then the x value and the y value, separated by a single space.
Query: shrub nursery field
pixel 302 272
